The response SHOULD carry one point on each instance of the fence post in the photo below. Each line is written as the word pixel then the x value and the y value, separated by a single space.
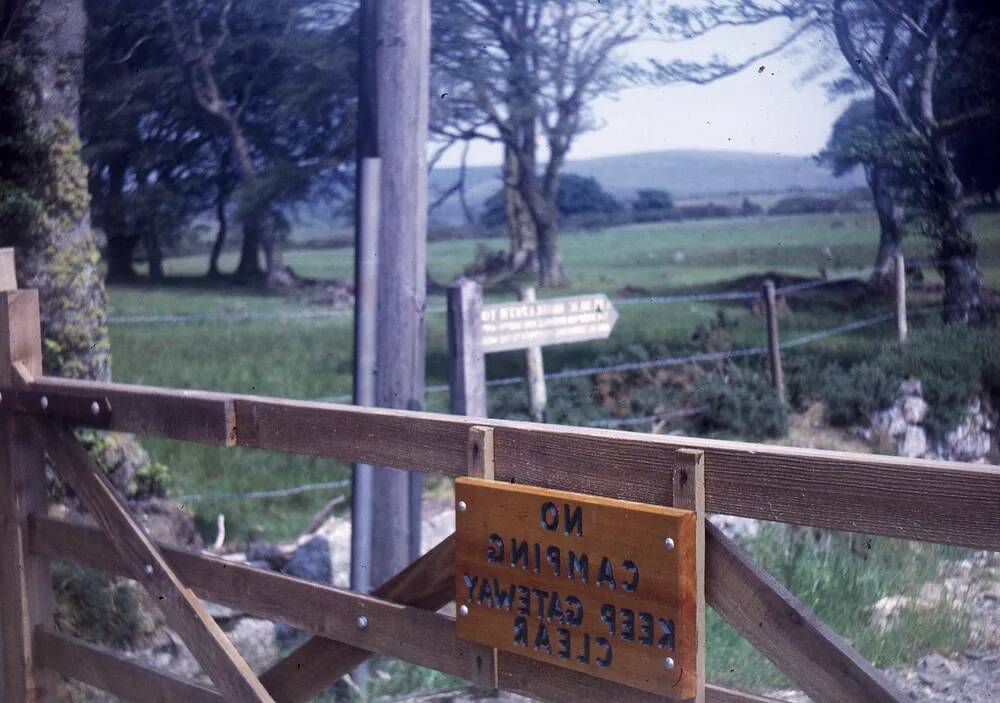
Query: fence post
pixel 902 327
pixel 25 584
pixel 773 341
pixel 466 362
pixel 535 369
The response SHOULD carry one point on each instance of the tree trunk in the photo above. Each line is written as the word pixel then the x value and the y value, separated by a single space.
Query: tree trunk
pixel 957 248
pixel 57 253
pixel 890 220
pixel 551 272
pixel 520 227
pixel 121 254
pixel 121 243
pixel 249 270
pixel 222 218
pixel 154 255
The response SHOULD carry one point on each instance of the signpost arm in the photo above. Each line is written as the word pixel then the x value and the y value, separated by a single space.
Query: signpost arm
pixel 466 362
pixel 689 494
pixel 535 369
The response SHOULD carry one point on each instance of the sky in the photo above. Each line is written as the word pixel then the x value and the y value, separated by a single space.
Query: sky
pixel 775 111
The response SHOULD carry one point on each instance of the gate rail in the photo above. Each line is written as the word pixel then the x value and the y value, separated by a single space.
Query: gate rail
pixel 942 502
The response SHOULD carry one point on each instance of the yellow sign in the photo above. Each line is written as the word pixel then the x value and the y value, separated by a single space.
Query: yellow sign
pixel 604 587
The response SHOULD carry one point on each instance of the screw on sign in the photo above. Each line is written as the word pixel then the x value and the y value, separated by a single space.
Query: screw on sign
pixel 603 587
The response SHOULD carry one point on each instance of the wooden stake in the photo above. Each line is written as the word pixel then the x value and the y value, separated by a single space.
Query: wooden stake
pixel 466 363
pixel 902 328
pixel 535 370
pixel 773 342
pixel 25 583
pixel 480 464
pixel 689 494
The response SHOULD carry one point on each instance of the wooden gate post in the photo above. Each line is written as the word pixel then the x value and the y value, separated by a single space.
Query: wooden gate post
pixel 773 342
pixel 534 369
pixel 689 494
pixel 466 361
pixel 25 583
pixel 902 328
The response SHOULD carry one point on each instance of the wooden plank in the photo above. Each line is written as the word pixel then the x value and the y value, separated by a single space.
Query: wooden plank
pixel 774 621
pixel 628 615
pixel 193 416
pixel 8 272
pixel 689 494
pixel 25 583
pixel 932 501
pixel 550 683
pixel 466 362
pixel 390 629
pixel 144 563
pixel 128 679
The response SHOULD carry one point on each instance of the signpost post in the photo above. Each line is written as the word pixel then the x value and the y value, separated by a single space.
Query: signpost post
pixel 528 324
pixel 603 587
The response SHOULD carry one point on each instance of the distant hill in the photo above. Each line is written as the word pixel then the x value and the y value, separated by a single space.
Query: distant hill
pixel 685 173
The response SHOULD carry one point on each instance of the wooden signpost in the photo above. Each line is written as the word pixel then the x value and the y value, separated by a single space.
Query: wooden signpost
pixel 603 587
pixel 475 329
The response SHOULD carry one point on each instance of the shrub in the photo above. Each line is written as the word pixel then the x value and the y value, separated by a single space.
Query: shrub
pixel 94 606
pixel 803 205
pixel 740 403
pixel 575 195
pixel 955 364
pixel 653 199
pixel 852 395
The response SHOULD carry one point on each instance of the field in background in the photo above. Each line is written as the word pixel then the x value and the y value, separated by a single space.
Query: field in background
pixel 311 358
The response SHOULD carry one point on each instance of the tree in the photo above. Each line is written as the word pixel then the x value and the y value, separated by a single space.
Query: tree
pixel 906 50
pixel 575 195
pixel 273 80
pixel 652 199
pixel 864 136
pixel 44 203
pixel 523 72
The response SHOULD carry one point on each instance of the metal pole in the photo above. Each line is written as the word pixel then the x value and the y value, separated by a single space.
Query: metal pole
pixel 365 288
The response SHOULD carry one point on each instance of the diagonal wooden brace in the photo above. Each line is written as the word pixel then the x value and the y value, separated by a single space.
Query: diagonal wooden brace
pixel 427 583
pixel 785 631
pixel 182 609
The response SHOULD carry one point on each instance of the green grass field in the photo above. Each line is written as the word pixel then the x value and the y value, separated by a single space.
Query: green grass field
pixel 312 359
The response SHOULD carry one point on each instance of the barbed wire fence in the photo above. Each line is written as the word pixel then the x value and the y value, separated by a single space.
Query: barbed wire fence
pixel 625 422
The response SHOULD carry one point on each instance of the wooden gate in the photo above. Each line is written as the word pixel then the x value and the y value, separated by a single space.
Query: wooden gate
pixel 939 502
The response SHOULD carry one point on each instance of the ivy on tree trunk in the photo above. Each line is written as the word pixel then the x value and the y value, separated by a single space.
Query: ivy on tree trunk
pixel 45 203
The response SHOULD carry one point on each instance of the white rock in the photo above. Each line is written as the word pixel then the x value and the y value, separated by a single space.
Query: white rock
pixel 914 444
pixel 914 409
